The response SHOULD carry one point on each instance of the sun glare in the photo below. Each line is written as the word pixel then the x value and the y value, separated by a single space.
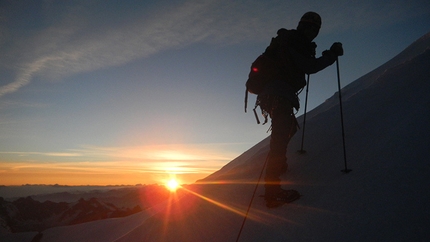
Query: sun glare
pixel 172 185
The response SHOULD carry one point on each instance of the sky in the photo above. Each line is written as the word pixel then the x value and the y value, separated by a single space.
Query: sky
pixel 112 92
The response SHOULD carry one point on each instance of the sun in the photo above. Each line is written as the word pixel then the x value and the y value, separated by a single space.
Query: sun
pixel 172 185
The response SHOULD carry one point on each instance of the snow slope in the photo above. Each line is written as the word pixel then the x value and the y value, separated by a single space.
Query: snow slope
pixel 384 198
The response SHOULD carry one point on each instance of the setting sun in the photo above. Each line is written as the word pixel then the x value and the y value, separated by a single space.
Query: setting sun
pixel 172 185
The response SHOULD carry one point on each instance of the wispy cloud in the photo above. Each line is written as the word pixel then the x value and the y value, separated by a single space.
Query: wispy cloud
pixel 75 45
pixel 119 165
pixel 53 154
pixel 168 152
pixel 24 76
pixel 191 158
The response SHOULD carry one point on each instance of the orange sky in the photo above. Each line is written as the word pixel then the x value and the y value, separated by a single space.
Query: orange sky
pixel 113 166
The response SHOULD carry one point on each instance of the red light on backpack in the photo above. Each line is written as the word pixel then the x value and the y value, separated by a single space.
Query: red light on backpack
pixel 254 69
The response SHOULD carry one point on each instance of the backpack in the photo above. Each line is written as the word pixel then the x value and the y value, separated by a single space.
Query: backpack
pixel 264 69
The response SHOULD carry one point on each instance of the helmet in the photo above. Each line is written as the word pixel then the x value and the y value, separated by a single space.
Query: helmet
pixel 312 18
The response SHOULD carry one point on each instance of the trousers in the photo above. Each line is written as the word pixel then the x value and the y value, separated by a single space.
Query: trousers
pixel 284 126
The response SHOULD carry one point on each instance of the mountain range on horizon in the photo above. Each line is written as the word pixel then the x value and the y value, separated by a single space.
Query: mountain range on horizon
pixel 384 198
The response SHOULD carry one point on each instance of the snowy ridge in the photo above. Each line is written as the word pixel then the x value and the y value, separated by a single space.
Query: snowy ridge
pixel 241 168
pixel 360 89
pixel 384 198
pixel 413 50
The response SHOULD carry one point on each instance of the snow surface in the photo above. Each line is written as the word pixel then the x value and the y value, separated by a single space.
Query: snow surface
pixel 384 198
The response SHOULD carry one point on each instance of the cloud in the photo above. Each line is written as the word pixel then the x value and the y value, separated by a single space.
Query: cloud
pixel 74 45
pixel 53 154
pixel 127 164
pixel 24 77
pixel 151 156
pixel 79 42
pixel 167 152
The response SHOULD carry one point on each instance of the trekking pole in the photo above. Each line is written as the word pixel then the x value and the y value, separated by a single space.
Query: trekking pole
pixel 302 151
pixel 346 170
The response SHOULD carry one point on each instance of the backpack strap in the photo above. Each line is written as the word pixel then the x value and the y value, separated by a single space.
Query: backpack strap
pixel 246 98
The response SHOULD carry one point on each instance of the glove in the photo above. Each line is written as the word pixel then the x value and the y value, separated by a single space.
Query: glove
pixel 337 49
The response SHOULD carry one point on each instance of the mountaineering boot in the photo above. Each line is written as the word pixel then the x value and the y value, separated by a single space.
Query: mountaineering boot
pixel 278 198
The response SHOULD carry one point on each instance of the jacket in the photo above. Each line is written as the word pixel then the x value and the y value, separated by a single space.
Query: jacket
pixel 296 55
